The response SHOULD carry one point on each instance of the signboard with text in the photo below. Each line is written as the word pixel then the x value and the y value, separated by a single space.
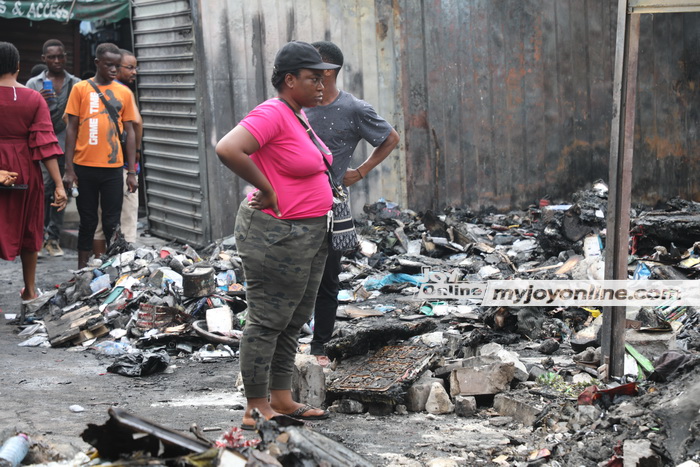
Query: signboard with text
pixel 65 10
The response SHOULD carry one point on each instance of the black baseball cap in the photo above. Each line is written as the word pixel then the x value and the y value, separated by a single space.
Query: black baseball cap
pixel 297 54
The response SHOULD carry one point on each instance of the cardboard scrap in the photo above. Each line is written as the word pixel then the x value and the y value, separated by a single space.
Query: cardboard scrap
pixel 68 327
pixel 351 311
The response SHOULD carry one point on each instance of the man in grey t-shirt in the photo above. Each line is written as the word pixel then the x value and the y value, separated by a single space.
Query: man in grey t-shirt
pixel 54 56
pixel 341 121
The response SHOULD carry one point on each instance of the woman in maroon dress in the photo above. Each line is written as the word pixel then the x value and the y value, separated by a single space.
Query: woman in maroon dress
pixel 26 138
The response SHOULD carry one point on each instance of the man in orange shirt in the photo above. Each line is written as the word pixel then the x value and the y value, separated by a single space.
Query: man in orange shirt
pixel 94 154
pixel 130 204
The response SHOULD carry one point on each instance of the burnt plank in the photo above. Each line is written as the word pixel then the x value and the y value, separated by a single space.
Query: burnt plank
pixel 514 115
pixel 485 167
pixel 390 173
pixel 691 116
pixel 675 163
pixel 645 169
pixel 438 54
pixel 470 103
pixel 562 164
pixel 552 99
pixel 500 130
pixel 533 185
pixel 369 334
pixel 419 163
pixel 599 96
pixel 579 146
pixel 454 125
pixel 67 327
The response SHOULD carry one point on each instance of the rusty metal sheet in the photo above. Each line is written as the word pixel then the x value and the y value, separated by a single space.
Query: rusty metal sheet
pixel 391 365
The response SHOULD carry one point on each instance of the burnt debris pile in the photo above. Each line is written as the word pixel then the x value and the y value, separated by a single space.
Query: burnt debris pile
pixel 401 348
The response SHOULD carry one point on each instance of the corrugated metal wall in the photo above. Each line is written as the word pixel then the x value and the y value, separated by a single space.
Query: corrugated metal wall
pixel 498 103
pixel 175 183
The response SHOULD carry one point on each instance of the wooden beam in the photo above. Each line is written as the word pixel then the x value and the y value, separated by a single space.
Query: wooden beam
pixel 663 6
pixel 620 181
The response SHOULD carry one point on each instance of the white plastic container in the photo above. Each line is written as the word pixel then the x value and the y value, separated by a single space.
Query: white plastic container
pixel 14 450
pixel 591 246
pixel 220 320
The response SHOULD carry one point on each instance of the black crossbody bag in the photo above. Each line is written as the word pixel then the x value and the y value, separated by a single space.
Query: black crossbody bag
pixel 343 234
pixel 113 114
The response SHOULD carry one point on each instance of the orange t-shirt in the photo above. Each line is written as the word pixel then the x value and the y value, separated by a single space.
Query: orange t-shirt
pixel 97 143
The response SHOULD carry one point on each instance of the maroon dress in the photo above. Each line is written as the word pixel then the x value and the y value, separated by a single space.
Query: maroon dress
pixel 26 138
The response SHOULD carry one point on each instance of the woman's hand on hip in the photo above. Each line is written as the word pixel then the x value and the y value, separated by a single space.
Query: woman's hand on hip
pixel 263 200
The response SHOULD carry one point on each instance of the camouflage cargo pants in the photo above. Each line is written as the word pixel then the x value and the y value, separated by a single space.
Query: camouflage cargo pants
pixel 283 262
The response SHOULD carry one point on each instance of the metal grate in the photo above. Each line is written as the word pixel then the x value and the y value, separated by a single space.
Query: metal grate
pixel 388 367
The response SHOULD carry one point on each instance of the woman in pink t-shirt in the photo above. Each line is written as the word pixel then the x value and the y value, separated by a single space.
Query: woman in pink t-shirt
pixel 281 229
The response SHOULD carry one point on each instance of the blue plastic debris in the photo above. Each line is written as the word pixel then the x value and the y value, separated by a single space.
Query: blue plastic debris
pixel 642 272
pixel 372 283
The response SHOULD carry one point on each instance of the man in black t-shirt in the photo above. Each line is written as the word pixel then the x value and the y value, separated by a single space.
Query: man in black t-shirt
pixel 342 121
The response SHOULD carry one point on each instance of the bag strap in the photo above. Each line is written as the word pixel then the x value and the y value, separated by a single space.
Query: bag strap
pixel 71 83
pixel 113 114
pixel 338 191
pixel 311 134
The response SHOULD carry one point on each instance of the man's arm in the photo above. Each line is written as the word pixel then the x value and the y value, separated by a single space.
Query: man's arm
pixel 71 134
pixel 138 132
pixel 131 179
pixel 380 153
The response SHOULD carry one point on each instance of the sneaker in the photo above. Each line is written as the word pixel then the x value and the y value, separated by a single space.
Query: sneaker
pixel 54 248
pixel 40 254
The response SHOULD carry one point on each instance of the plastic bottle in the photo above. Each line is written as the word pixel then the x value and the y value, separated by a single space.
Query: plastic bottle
pixel 591 246
pixel 112 347
pixel 15 449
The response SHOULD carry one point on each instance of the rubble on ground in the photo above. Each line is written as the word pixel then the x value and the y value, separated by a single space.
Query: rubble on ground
pixel 395 353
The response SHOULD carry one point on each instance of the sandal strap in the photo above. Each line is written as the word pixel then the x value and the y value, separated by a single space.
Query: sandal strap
pixel 301 411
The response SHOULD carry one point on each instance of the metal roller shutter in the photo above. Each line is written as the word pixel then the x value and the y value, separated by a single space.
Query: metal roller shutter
pixel 164 46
